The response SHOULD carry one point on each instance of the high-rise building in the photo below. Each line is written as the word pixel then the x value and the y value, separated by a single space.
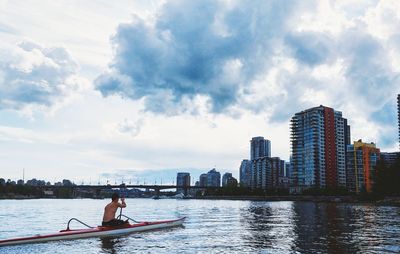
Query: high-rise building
pixel 319 137
pixel 245 173
pixel 213 178
pixel 361 165
pixel 398 114
pixel 225 178
pixel 266 172
pixel 182 179
pixel 389 158
pixel 259 147
pixel 229 180
pixel 203 180
pixel 287 169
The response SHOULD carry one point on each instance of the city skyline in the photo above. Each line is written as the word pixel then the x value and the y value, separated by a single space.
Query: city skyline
pixel 146 94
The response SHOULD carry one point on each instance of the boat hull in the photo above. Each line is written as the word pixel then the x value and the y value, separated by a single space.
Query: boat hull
pixel 94 232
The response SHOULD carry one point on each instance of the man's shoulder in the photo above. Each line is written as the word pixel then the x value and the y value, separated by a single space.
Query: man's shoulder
pixel 110 204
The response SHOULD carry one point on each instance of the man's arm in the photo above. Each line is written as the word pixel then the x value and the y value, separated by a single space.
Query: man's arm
pixel 123 204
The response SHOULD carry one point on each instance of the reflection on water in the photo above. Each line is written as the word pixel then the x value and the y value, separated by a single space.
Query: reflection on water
pixel 108 244
pixel 305 227
pixel 212 226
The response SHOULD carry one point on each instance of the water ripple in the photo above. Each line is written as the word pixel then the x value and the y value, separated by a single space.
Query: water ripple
pixel 212 226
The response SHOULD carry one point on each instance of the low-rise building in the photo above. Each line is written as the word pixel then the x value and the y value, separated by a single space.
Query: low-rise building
pixel 362 159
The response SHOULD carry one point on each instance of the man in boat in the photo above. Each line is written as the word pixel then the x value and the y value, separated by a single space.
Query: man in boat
pixel 110 210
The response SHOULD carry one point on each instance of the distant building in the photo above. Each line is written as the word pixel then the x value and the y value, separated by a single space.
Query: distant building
pixel 213 178
pixel 203 180
pixel 245 173
pixel 319 138
pixel 259 147
pixel 266 172
pixel 287 169
pixel 361 165
pixel 182 179
pixel 232 182
pixel 389 158
pixel 229 180
pixel 225 178
pixel 398 114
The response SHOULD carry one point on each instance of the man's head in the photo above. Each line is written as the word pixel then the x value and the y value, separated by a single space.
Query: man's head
pixel 115 197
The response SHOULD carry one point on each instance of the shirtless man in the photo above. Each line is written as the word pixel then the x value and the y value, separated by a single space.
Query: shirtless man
pixel 111 209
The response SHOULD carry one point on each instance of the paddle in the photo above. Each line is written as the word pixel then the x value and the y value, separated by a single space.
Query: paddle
pixel 122 197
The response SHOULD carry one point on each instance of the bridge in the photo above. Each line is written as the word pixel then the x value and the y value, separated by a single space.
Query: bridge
pixel 154 187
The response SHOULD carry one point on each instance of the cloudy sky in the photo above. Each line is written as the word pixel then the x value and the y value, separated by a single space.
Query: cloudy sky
pixel 94 90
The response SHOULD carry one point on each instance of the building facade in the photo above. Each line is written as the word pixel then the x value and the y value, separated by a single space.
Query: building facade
pixel 245 173
pixel 203 180
pixel 259 147
pixel 398 114
pixel 213 178
pixel 389 158
pixel 229 180
pixel 182 179
pixel 362 159
pixel 319 138
pixel 266 172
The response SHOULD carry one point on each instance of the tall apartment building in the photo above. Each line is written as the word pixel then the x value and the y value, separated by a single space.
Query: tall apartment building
pixel 319 137
pixel 389 158
pixel 259 147
pixel 398 114
pixel 266 172
pixel 213 178
pixel 361 165
pixel 229 180
pixel 182 179
pixel 203 180
pixel 245 173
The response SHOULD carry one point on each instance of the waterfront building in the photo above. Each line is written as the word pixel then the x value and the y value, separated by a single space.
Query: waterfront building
pixel 362 159
pixel 389 158
pixel 225 178
pixel 232 182
pixel 287 169
pixel 266 172
pixel 213 178
pixel 259 147
pixel 319 138
pixel 229 180
pixel 245 173
pixel 182 179
pixel 203 180
pixel 398 114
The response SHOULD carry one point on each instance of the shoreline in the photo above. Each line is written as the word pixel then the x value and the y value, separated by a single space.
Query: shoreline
pixel 387 201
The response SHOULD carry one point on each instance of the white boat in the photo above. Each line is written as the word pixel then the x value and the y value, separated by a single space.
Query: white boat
pixel 100 231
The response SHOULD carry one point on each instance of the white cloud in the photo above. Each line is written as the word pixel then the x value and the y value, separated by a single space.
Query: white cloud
pixel 340 54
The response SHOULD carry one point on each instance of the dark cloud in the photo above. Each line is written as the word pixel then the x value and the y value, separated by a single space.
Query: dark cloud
pixel 310 48
pixel 220 50
pixel 195 48
pixel 35 75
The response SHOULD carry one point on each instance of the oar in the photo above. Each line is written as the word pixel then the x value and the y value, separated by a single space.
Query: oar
pixel 122 196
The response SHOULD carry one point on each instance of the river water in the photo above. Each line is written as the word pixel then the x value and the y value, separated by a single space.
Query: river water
pixel 212 226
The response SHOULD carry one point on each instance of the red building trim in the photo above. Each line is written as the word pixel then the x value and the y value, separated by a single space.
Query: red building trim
pixel 330 148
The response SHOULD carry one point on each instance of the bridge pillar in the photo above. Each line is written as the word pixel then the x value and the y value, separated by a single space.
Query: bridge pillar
pixel 157 191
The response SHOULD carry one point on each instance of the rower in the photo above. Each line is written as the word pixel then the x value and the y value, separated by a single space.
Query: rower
pixel 110 210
